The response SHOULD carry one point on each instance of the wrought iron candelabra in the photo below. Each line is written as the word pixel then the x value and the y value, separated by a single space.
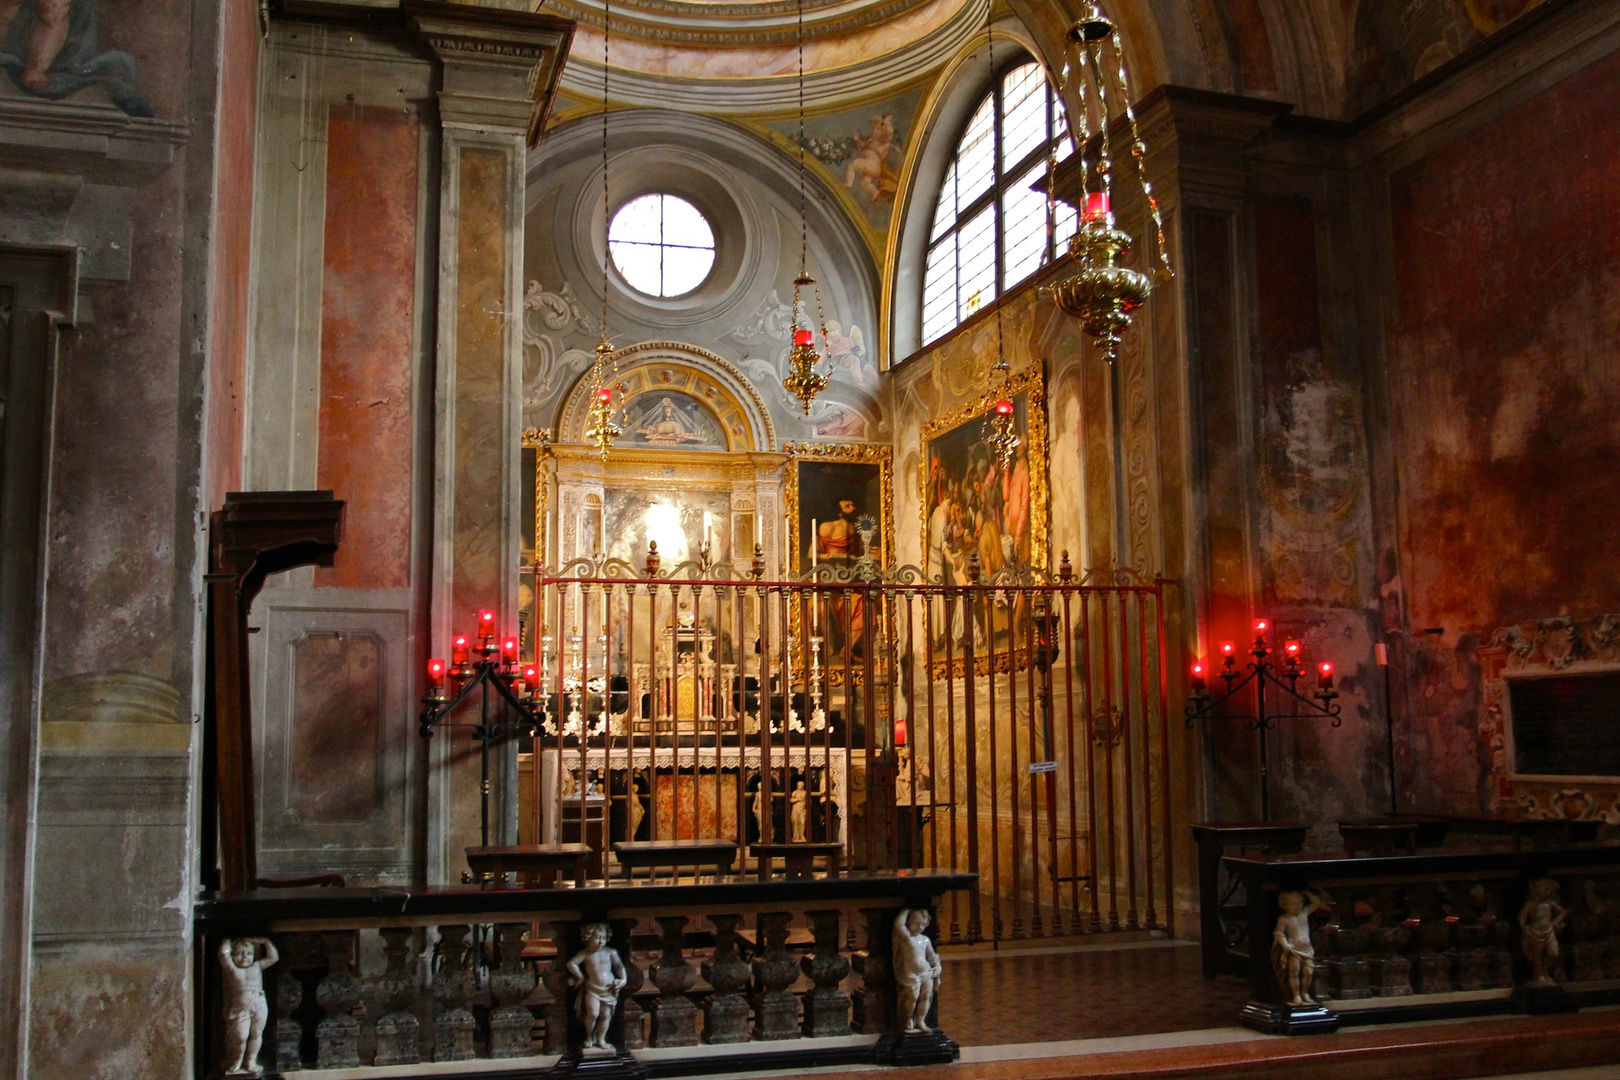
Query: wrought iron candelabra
pixel 1263 671
pixel 495 669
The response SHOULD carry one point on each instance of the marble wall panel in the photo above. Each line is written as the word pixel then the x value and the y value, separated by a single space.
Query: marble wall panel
pixel 233 206
pixel 110 1010
pixel 1504 392
pixel 368 322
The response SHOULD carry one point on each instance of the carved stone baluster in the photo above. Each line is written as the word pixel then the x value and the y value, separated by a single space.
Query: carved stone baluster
pixel 555 976
pixel 289 1032
pixel 674 1016
pixel 632 1035
pixel 826 1007
pixel 776 1012
pixel 398 1028
pixel 874 1001
pixel 452 988
pixel 511 1023
pixel 725 1013
pixel 338 993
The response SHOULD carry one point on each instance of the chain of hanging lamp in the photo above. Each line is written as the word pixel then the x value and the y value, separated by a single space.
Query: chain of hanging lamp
pixel 1102 294
pixel 602 425
pixel 805 379
pixel 1001 421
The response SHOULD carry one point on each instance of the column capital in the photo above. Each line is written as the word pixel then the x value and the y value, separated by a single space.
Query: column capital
pixel 501 67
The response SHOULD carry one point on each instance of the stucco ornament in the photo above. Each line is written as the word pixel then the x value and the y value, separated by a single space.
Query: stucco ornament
pixel 916 969
pixel 245 1006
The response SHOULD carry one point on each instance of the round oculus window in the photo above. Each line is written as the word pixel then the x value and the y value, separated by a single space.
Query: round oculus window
pixel 661 245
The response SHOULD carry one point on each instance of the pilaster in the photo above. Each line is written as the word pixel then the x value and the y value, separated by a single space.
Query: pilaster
pixel 498 71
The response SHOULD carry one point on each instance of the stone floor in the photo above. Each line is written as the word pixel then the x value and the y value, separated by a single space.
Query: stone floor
pixel 1086 992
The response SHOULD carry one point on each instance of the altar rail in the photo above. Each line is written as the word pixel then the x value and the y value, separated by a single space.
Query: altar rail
pixel 726 975
pixel 1013 726
pixel 1437 934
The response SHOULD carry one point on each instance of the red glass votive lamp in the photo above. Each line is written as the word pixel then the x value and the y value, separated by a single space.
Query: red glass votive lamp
pixel 509 650
pixel 1325 674
pixel 531 679
pixel 604 395
pixel 436 669
pixel 1260 628
pixel 458 650
pixel 1198 676
pixel 486 624
pixel 1004 407
pixel 1228 655
pixel 805 336
pixel 1096 206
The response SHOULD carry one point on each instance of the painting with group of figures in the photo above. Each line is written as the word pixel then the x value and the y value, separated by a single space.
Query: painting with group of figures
pixel 973 505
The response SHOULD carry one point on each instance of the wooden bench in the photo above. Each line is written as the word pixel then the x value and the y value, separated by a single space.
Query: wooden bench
pixel 534 864
pixel 799 859
pixel 656 854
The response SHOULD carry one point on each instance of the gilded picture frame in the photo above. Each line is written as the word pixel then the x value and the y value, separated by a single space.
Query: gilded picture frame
pixel 853 469
pixel 954 451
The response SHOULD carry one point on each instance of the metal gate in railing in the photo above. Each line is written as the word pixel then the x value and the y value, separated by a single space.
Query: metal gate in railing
pixel 1014 726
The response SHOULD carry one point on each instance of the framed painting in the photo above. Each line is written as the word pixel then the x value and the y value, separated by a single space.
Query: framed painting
pixel 970 504
pixel 840 504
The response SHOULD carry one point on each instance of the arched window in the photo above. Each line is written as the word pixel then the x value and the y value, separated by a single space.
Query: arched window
pixel 991 228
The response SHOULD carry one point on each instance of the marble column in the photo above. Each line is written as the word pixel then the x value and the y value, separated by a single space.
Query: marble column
pixel 498 72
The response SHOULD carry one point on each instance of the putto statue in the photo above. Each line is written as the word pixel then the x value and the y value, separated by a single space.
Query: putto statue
pixel 245 1007
pixel 916 969
pixel 1292 956
pixel 1541 918
pixel 599 973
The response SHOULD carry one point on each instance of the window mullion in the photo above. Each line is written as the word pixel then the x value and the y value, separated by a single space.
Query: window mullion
pixel 997 104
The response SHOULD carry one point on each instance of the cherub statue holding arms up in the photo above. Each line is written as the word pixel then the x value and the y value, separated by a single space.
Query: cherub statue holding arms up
pixel 599 973
pixel 1541 918
pixel 916 968
pixel 245 1007
pixel 1292 956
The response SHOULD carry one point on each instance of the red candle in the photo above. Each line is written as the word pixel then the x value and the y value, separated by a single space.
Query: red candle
pixel 1325 668
pixel 1198 675
pixel 1260 629
pixel 458 649
pixel 435 673
pixel 1226 649
pixel 509 650
pixel 804 337
pixel 1004 407
pixel 486 622
pixel 1096 205
pixel 604 395
pixel 1292 649
pixel 531 677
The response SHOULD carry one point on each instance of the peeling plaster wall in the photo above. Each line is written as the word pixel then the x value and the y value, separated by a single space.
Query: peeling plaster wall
pixel 1504 393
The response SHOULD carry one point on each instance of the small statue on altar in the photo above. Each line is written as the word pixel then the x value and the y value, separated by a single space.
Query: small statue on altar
pixel 633 809
pixel 1541 918
pixel 916 969
pixel 800 814
pixel 1292 956
pixel 245 1007
pixel 599 973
